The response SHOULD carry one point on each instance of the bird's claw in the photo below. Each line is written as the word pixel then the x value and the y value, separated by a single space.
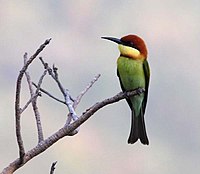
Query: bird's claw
pixel 126 94
pixel 140 91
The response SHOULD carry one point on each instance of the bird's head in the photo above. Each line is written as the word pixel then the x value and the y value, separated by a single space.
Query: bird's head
pixel 130 46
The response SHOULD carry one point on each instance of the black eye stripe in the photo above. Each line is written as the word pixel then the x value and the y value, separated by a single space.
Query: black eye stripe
pixel 129 43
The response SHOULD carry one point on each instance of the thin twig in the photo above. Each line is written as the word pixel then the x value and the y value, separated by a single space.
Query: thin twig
pixel 17 100
pixel 36 111
pixel 55 75
pixel 69 104
pixel 50 95
pixel 79 97
pixel 34 100
pixel 29 102
pixel 53 167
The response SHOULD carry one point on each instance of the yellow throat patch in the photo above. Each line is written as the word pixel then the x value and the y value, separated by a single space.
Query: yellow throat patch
pixel 129 52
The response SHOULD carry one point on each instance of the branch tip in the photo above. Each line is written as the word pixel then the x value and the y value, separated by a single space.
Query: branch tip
pixel 48 41
pixel 53 167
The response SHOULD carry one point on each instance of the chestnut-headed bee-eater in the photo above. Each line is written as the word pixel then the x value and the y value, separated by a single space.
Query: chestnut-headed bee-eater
pixel 134 73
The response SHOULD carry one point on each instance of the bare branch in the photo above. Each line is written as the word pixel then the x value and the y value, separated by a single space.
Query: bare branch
pixel 69 104
pixel 89 112
pixel 65 92
pixel 55 77
pixel 34 100
pixel 66 130
pixel 78 98
pixel 36 111
pixel 72 104
pixel 17 99
pixel 53 167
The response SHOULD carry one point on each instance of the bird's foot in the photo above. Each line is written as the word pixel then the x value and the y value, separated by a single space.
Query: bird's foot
pixel 140 91
pixel 126 95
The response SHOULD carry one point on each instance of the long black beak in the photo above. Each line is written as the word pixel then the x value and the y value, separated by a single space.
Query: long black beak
pixel 113 39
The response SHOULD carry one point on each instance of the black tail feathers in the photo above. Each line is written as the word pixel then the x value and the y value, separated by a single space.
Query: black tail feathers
pixel 138 130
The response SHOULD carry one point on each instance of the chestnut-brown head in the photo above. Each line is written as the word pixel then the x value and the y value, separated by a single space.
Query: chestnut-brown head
pixel 130 46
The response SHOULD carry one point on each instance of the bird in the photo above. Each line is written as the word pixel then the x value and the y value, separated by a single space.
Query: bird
pixel 134 73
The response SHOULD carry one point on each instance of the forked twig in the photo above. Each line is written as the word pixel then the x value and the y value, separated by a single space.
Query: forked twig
pixel 67 98
pixel 17 99
pixel 34 96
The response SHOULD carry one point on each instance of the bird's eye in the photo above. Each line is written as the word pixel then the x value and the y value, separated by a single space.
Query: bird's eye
pixel 131 44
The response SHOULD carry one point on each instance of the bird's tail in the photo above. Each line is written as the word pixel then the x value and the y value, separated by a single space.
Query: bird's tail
pixel 138 130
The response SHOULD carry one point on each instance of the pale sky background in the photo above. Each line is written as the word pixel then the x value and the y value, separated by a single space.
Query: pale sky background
pixel 171 29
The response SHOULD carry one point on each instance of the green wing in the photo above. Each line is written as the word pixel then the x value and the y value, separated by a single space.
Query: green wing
pixel 123 89
pixel 147 77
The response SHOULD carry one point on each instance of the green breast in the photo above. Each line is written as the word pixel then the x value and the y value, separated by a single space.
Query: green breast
pixel 131 74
